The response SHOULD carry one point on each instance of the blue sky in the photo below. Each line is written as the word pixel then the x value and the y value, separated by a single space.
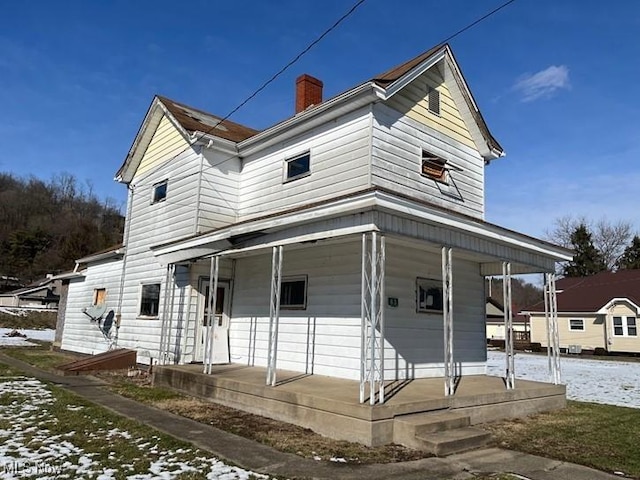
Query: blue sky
pixel 556 82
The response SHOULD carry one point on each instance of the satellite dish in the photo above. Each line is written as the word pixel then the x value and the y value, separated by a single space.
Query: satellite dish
pixel 94 312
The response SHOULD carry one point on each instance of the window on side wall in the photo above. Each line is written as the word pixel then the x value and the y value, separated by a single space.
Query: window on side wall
pixel 99 296
pixel 293 293
pixel 297 167
pixel 150 300
pixel 625 327
pixel 159 192
pixel 434 167
pixel 428 295
pixel 576 324
pixel 632 329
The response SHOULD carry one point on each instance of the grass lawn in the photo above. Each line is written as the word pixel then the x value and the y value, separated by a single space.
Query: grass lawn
pixel 48 431
pixel 604 437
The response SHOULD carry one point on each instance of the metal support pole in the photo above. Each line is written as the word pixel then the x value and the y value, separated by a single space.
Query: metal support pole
pixel 447 318
pixel 547 319
pixel 510 375
pixel 553 302
pixel 364 315
pixel 162 349
pixel 213 305
pixel 372 318
pixel 172 299
pixel 274 314
pixel 208 316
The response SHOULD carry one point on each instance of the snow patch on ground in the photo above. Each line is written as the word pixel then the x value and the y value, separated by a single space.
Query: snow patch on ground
pixel 46 335
pixel 28 449
pixel 599 381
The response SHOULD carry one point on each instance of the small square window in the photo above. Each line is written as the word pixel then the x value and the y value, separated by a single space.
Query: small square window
pixel 99 296
pixel 299 166
pixel 434 167
pixel 160 191
pixel 293 293
pixel 428 295
pixel 150 300
pixel 576 324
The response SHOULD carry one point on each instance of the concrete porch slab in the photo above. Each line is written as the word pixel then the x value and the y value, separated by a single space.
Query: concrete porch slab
pixel 330 405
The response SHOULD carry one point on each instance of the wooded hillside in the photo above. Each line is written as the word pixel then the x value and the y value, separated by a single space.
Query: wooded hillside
pixel 45 226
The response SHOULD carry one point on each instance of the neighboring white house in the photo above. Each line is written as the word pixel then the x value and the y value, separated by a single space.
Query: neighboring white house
pixel 348 240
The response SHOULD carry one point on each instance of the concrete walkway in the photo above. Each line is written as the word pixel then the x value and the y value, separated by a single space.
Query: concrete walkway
pixel 261 458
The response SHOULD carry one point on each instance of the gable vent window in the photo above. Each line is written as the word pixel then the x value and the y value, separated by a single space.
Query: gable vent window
pixel 434 100
pixel 298 167
pixel 159 191
pixel 434 167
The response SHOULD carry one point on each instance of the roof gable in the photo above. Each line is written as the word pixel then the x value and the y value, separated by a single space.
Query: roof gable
pixel 177 125
pixel 456 87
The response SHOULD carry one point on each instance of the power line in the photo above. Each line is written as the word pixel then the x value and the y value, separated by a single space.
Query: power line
pixel 473 24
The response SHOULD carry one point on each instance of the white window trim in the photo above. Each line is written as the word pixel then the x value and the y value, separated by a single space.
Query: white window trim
pixel 147 317
pixel 153 191
pixel 285 178
pixel 625 326
pixel 582 329
pixel 296 278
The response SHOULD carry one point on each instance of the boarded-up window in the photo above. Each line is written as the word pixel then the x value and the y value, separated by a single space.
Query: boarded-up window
pixel 434 101
pixel 150 300
pixel 99 296
pixel 434 167
pixel 293 293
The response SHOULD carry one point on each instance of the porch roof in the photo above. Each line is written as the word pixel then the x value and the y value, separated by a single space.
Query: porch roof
pixel 367 210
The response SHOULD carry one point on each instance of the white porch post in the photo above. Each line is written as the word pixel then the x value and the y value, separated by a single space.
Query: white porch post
pixel 372 318
pixel 510 373
pixel 212 300
pixel 274 314
pixel 167 314
pixel 551 317
pixel 447 316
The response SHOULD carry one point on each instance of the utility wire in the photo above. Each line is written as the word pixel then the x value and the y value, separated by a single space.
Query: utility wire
pixel 473 24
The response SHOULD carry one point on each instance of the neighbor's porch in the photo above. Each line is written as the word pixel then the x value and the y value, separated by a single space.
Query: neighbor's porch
pixel 330 406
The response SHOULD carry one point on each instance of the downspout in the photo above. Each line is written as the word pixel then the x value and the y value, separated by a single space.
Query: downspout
pixel 197 216
pixel 125 242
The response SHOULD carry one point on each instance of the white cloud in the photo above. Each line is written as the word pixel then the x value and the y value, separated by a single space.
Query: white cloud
pixel 544 83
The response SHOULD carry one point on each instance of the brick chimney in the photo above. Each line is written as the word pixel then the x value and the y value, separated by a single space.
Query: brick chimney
pixel 308 92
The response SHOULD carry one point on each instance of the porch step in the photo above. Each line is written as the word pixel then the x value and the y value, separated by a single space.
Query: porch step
pixel 439 433
pixel 120 358
pixel 458 440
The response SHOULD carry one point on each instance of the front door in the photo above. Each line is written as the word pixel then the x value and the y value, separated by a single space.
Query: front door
pixel 216 325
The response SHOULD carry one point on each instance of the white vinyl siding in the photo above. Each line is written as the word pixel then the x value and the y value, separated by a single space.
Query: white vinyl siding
pixel 397 145
pixel 339 165
pixel 324 339
pixel 80 333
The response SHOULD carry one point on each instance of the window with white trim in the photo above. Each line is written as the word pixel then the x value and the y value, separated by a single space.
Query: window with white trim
pixel 293 293
pixel 625 327
pixel 297 167
pixel 428 295
pixel 149 300
pixel 159 191
pixel 576 324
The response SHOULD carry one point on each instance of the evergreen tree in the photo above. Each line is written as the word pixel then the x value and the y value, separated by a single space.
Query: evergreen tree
pixel 587 260
pixel 630 259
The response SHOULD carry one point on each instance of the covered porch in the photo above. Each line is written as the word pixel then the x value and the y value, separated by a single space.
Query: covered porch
pixel 331 407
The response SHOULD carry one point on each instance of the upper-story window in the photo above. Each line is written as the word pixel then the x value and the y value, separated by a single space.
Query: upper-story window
pixel 159 192
pixel 434 167
pixel 298 166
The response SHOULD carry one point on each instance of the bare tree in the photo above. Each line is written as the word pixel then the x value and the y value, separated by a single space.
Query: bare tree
pixel 610 238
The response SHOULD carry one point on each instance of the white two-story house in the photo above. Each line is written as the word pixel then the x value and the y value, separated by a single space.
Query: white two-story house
pixel 347 241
